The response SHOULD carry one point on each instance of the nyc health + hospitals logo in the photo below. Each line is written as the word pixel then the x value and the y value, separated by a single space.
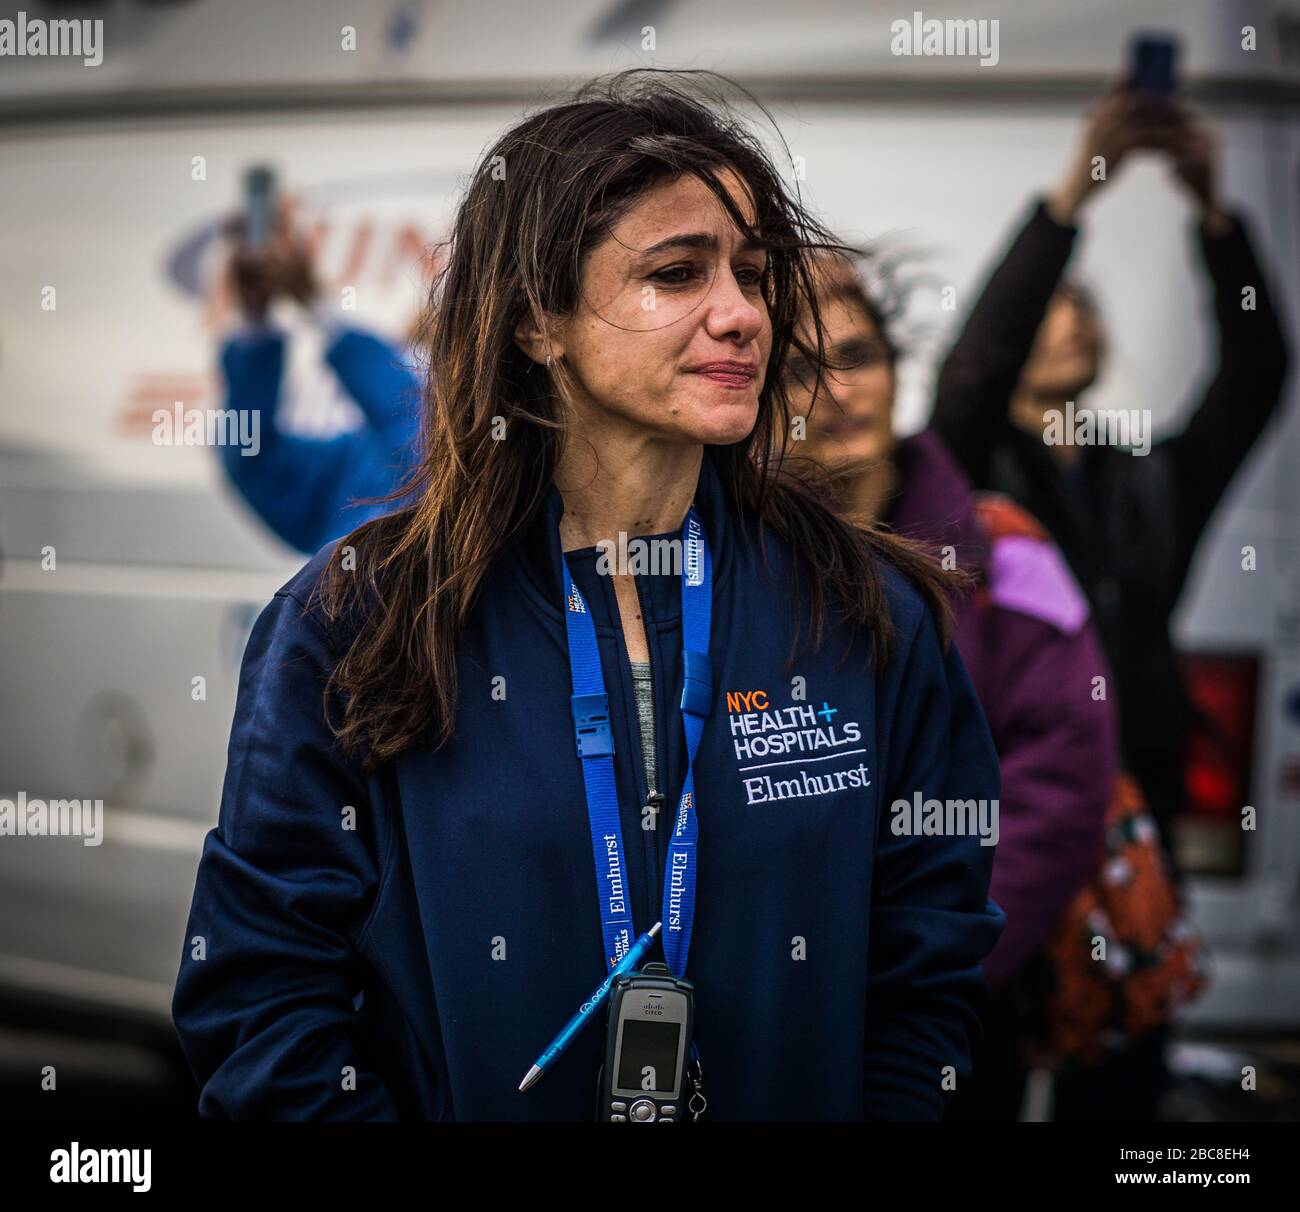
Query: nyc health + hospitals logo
pixel 794 752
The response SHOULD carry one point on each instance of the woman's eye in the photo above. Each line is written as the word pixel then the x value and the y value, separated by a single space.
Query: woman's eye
pixel 674 275
pixel 751 276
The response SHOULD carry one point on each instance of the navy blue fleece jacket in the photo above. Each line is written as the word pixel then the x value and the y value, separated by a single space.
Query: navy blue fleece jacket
pixel 434 948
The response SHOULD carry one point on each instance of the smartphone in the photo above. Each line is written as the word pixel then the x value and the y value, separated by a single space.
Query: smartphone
pixel 259 205
pixel 1154 64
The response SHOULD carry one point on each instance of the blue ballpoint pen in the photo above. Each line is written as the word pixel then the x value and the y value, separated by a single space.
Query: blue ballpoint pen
pixel 589 1007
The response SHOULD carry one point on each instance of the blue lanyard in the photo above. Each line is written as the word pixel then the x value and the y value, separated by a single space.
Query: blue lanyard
pixel 595 742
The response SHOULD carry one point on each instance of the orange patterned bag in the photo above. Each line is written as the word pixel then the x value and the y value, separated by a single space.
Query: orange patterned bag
pixel 1130 914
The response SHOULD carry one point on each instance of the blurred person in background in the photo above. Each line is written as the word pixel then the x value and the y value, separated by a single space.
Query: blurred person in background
pixel 311 490
pixel 1128 524
pixel 1024 632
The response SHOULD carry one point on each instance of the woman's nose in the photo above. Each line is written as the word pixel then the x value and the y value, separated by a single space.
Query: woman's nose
pixel 731 310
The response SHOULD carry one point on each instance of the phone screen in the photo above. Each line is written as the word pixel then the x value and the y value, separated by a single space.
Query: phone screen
pixel 1155 63
pixel 648 1046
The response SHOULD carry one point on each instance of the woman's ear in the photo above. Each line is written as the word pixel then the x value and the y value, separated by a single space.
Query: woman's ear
pixel 537 344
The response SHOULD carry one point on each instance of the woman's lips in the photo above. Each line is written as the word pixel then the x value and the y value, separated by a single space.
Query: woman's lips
pixel 733 373
pixel 738 379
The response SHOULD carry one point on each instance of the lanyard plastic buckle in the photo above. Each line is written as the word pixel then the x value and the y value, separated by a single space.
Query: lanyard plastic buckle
pixel 591 724
pixel 697 682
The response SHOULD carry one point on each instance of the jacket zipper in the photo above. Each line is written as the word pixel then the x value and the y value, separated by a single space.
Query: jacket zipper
pixel 652 799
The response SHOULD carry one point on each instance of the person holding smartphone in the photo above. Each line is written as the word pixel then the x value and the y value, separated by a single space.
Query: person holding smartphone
pixel 408 891
pixel 306 489
pixel 1129 524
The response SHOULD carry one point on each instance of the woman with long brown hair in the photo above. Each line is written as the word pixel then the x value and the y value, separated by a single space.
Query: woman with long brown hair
pixel 605 617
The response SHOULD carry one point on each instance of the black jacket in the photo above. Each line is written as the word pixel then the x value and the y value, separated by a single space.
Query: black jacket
pixel 1128 525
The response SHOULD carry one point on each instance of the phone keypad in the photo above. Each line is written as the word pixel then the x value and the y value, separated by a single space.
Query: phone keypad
pixel 643 1112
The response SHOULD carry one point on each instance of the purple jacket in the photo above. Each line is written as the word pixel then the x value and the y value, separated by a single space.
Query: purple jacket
pixel 1032 653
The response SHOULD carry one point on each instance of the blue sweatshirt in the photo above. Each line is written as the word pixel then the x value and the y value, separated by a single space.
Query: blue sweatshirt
pixel 303 488
pixel 431 926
